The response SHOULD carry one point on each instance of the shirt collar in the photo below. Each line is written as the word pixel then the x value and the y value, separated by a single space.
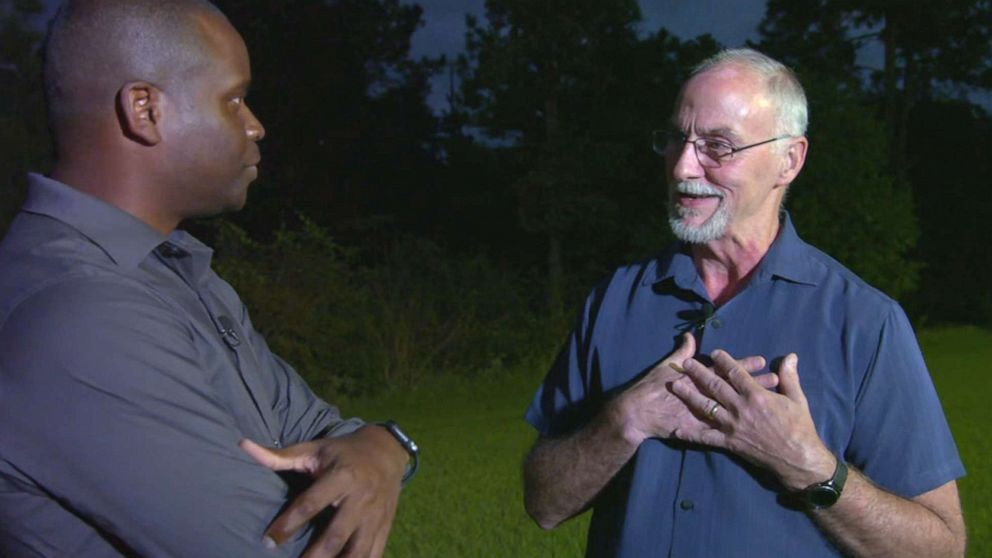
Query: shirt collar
pixel 785 259
pixel 788 257
pixel 125 239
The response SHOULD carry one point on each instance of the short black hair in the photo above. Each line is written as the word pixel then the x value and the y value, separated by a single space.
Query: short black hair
pixel 93 47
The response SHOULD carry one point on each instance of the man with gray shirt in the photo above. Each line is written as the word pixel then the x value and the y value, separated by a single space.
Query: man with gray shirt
pixel 143 414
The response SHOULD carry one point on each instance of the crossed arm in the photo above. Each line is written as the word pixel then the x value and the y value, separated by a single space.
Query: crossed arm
pixel 110 412
pixel 772 430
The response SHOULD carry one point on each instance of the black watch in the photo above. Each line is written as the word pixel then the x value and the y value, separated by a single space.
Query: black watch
pixel 408 444
pixel 825 494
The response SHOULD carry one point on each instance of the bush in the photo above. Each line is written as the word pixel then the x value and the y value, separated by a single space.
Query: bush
pixel 356 322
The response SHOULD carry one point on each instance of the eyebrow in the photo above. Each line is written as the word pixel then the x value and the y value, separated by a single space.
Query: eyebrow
pixel 722 131
pixel 242 88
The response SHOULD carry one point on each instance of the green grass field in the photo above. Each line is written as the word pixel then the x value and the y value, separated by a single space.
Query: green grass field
pixel 467 499
pixel 959 360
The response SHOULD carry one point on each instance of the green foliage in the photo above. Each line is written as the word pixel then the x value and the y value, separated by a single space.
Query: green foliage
pixel 958 359
pixel 950 175
pixel 845 202
pixel 355 323
pixel 297 289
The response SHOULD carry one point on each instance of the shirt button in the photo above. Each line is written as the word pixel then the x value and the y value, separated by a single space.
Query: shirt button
pixel 169 251
pixel 276 443
pixel 716 323
pixel 687 505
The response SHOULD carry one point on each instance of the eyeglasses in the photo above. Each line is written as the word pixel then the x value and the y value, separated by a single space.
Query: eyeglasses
pixel 709 152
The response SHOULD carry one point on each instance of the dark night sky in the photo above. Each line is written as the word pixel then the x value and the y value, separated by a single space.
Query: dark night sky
pixel 731 23
pixel 444 32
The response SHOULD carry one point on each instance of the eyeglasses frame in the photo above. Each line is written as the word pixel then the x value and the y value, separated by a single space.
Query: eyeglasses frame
pixel 669 135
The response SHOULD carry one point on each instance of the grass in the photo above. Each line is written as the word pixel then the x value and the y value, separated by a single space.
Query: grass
pixel 467 497
pixel 959 360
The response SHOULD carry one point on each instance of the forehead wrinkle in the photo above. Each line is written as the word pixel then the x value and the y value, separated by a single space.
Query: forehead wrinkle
pixel 725 101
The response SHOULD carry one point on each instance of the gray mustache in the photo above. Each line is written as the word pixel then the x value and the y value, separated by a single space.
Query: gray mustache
pixel 697 188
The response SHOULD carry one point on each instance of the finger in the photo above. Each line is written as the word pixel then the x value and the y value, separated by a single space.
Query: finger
pixel 326 491
pixel 752 363
pixel 701 404
pixel 788 374
pixel 710 384
pixel 767 381
pixel 360 545
pixel 268 457
pixel 298 457
pixel 344 536
pixel 379 546
pixel 685 350
pixel 728 368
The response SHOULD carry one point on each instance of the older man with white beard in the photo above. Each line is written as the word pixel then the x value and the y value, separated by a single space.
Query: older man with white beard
pixel 653 416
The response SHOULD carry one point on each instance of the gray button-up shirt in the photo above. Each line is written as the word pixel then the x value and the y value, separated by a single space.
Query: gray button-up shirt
pixel 129 372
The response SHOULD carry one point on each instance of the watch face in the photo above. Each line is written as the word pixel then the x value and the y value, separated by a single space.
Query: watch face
pixel 822 496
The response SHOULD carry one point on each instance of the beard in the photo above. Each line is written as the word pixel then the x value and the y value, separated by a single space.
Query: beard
pixel 710 230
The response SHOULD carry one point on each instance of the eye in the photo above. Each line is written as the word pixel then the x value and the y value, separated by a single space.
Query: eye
pixel 716 148
pixel 237 101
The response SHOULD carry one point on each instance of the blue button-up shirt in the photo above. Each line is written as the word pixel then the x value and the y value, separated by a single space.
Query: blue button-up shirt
pixel 869 392
pixel 129 372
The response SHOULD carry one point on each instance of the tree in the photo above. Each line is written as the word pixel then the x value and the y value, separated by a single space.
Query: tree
pixel 934 53
pixel 349 133
pixel 570 92
pixel 951 172
pixel 23 133
pixel 845 202
pixel 926 45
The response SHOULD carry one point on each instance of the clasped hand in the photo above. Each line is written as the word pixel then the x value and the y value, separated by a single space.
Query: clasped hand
pixel 726 406
pixel 736 412
pixel 358 474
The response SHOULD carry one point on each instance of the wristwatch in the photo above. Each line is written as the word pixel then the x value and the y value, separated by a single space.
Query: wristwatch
pixel 408 444
pixel 824 494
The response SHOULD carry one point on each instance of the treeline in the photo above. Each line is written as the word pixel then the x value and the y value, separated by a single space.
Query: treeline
pixel 385 243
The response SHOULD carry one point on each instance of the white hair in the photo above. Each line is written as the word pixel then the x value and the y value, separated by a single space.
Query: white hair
pixel 781 83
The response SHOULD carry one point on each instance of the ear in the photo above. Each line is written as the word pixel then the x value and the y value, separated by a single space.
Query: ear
pixel 139 111
pixel 793 160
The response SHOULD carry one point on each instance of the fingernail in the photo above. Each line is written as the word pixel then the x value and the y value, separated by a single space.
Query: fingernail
pixel 677 368
pixel 269 543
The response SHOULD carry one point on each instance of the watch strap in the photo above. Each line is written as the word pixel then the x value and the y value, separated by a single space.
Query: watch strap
pixel 408 444
pixel 824 494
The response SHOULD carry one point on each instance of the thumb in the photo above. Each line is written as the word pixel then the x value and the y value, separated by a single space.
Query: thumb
pixel 788 376
pixel 685 351
pixel 275 459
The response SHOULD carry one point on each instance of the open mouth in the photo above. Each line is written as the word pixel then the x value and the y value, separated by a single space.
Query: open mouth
pixel 699 196
pixel 689 192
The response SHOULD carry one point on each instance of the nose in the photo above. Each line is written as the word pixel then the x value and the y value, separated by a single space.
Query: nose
pixel 684 163
pixel 253 126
